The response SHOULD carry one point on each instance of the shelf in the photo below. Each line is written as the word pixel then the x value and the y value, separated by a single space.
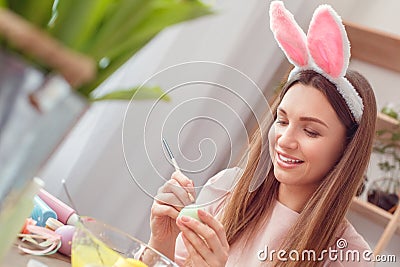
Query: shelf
pixel 388 125
pixel 364 208
pixel 384 121
pixel 374 46
pixel 372 212
pixel 381 49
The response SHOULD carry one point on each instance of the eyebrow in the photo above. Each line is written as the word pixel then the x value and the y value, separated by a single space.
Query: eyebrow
pixel 312 119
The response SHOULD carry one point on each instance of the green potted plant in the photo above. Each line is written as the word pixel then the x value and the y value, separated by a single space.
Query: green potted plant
pixel 385 191
pixel 53 55
pixel 108 32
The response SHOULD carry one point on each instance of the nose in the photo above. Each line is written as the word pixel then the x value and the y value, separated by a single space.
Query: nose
pixel 286 138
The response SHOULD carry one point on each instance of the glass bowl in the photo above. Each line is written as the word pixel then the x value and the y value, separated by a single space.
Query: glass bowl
pixel 96 244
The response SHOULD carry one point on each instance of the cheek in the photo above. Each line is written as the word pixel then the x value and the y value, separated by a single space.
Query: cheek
pixel 336 148
pixel 325 155
pixel 271 140
pixel 335 153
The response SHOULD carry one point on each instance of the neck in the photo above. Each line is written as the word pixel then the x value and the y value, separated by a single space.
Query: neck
pixel 295 197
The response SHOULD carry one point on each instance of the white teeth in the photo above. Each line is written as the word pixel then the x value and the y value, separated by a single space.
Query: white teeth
pixel 288 160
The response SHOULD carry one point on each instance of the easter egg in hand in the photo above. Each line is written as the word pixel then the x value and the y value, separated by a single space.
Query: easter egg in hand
pixel 190 211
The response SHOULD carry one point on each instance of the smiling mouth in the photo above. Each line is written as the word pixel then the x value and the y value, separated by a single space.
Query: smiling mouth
pixel 289 161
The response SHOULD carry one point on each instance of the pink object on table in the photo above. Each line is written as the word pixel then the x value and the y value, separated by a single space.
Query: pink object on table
pixel 65 213
pixel 66 232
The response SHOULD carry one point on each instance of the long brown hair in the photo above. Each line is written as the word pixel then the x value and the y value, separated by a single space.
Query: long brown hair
pixel 320 220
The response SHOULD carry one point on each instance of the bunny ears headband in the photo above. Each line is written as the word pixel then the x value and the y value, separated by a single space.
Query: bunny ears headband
pixel 325 49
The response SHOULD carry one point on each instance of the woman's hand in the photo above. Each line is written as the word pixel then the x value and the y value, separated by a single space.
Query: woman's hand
pixel 205 241
pixel 170 199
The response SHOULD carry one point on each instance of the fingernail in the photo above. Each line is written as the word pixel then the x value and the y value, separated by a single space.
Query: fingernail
pixel 191 197
pixel 185 219
pixel 201 212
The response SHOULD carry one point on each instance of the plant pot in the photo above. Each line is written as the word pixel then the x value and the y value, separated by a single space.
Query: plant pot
pixel 384 193
pixel 28 135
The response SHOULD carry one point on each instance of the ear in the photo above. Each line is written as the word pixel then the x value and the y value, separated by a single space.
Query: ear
pixel 328 43
pixel 290 37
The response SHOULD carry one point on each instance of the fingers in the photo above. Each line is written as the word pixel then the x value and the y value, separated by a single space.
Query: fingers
pixel 169 199
pixel 215 225
pixel 207 237
pixel 162 210
pixel 185 182
pixel 172 193
pixel 178 192
pixel 181 178
pixel 196 246
pixel 195 257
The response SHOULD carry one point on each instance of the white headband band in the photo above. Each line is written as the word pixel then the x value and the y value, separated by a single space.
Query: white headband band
pixel 325 49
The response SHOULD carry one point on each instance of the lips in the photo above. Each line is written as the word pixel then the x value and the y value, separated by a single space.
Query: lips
pixel 287 161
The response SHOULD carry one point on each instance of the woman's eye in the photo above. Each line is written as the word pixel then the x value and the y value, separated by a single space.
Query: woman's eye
pixel 281 122
pixel 311 133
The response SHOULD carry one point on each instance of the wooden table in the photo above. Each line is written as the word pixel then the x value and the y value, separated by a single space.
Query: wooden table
pixel 17 259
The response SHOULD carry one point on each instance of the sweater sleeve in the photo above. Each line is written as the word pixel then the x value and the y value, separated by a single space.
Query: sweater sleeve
pixel 211 198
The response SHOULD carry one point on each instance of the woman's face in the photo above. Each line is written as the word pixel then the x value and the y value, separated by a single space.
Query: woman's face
pixel 307 137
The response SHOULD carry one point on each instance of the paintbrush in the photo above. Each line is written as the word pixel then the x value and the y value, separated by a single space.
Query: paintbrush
pixel 171 156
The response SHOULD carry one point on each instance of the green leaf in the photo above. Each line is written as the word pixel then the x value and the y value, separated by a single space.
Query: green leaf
pixel 163 14
pixel 395 136
pixel 117 23
pixel 37 12
pixel 148 21
pixel 110 29
pixel 382 132
pixel 3 3
pixel 136 93
pixel 390 112
pixel 77 20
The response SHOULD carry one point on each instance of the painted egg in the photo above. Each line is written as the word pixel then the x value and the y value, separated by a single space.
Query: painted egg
pixel 66 232
pixel 190 211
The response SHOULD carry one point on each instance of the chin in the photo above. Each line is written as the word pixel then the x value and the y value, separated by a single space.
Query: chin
pixel 284 177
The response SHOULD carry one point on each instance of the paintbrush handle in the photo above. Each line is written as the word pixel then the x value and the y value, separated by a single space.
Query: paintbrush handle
pixel 175 164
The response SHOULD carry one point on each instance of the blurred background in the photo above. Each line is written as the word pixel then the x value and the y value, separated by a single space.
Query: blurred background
pixel 220 71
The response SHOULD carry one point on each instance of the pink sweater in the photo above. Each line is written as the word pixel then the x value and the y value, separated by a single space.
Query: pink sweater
pixel 257 252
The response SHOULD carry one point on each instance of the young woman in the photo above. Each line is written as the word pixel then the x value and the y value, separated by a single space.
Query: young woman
pixel 319 144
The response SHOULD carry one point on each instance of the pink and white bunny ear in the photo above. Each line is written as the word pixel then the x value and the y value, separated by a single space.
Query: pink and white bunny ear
pixel 290 37
pixel 326 49
pixel 328 43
